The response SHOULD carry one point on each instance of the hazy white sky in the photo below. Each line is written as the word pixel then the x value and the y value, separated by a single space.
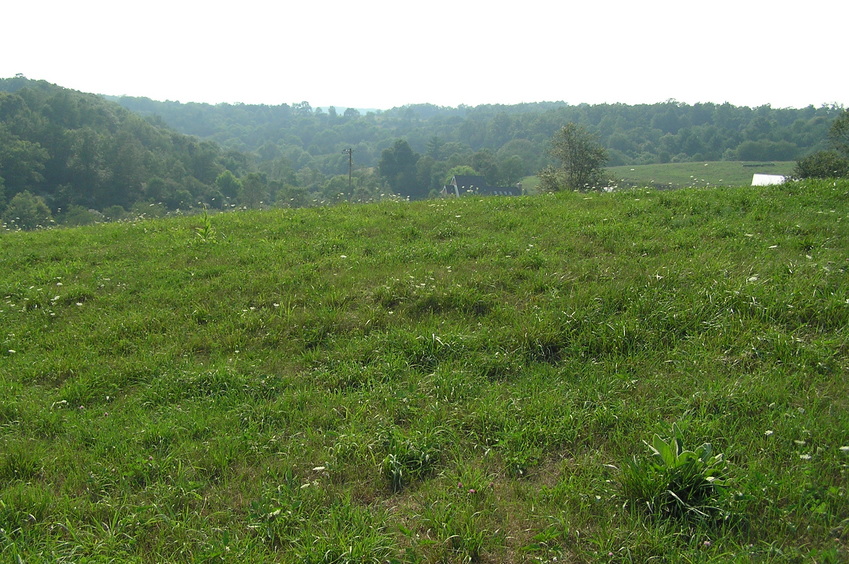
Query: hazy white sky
pixel 381 53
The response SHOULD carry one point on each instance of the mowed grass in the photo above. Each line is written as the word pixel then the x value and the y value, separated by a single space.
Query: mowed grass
pixel 440 381
pixel 696 174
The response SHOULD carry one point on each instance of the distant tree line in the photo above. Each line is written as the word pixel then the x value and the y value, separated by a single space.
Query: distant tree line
pixel 504 143
pixel 84 157
pixel 640 134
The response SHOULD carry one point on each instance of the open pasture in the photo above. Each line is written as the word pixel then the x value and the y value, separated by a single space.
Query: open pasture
pixel 696 174
pixel 472 380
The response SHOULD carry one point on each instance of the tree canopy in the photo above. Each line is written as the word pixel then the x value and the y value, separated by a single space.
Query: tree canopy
pixel 581 160
pixel 398 167
pixel 27 211
pixel 830 163
pixel 838 134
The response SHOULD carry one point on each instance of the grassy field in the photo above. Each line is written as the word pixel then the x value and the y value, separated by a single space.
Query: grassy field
pixel 696 175
pixel 441 381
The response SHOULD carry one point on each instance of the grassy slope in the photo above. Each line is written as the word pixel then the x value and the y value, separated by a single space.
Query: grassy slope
pixel 699 175
pixel 437 381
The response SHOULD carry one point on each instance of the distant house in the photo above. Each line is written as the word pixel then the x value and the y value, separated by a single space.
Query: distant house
pixel 767 179
pixel 462 184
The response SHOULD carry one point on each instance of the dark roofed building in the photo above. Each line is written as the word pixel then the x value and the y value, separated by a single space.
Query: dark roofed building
pixel 462 184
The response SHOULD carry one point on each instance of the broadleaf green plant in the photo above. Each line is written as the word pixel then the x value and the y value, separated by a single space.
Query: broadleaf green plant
pixel 674 481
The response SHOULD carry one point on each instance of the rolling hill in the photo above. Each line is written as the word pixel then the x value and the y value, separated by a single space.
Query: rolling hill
pixel 470 380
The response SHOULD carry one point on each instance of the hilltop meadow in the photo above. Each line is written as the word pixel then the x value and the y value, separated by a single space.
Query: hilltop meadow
pixel 633 376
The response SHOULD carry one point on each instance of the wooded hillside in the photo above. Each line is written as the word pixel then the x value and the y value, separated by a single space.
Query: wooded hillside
pixel 81 152
pixel 304 146
pixel 640 134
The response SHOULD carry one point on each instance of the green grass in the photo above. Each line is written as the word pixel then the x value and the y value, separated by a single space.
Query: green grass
pixel 440 381
pixel 696 175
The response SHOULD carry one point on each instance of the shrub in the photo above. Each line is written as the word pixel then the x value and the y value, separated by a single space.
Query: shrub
pixel 27 211
pixel 822 164
pixel 78 215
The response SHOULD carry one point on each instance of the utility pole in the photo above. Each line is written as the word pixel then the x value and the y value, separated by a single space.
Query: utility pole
pixel 350 152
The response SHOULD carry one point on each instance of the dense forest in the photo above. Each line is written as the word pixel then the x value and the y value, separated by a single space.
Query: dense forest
pixel 80 152
pixel 640 134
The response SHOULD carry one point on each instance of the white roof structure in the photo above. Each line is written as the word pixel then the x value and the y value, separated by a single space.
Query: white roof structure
pixel 767 179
